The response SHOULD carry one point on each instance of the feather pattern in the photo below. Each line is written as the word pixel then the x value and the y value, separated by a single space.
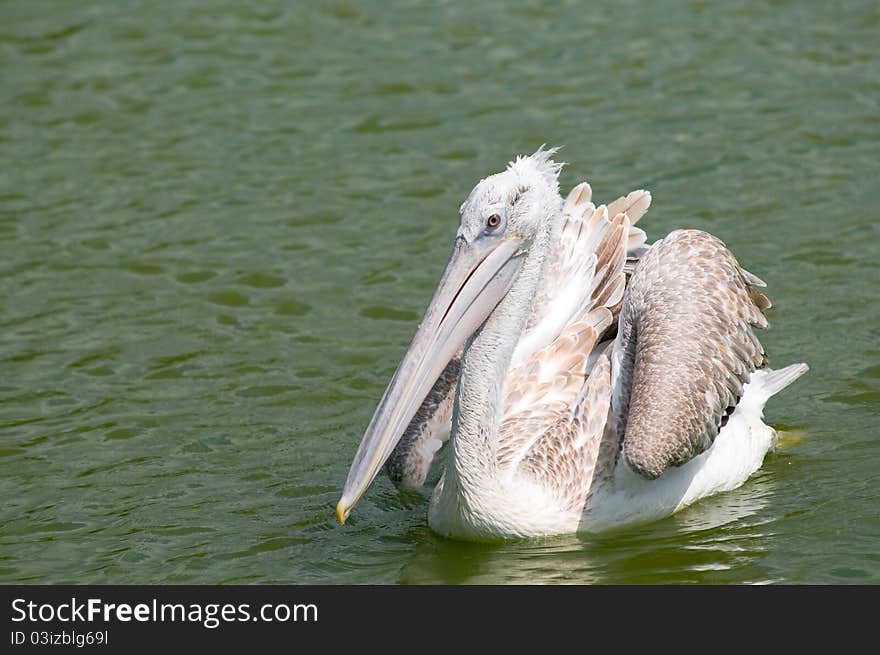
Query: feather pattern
pixel 543 388
pixel 557 400
pixel 563 459
pixel 586 268
pixel 684 349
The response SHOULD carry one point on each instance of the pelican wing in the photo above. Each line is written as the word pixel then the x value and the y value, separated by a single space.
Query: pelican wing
pixel 564 459
pixel 542 398
pixel 684 349
pixel 556 401
pixel 584 271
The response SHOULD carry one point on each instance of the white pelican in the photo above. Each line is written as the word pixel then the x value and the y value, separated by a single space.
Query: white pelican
pixel 585 380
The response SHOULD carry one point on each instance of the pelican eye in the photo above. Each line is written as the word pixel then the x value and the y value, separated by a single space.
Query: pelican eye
pixel 493 221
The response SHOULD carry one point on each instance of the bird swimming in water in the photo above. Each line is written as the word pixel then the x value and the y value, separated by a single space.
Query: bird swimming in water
pixel 583 379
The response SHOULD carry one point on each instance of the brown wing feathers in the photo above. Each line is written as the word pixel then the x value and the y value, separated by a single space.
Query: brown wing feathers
pixel 685 347
pixel 557 400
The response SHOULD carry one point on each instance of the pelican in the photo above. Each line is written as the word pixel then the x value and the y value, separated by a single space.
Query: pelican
pixel 583 379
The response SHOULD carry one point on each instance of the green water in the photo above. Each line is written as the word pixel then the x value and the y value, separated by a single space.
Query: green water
pixel 220 223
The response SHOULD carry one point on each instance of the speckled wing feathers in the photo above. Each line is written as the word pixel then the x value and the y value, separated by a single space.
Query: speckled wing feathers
pixel 563 460
pixel 576 278
pixel 544 388
pixel 556 402
pixel 684 350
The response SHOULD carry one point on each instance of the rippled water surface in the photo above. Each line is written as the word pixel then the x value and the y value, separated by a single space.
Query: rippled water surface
pixel 220 223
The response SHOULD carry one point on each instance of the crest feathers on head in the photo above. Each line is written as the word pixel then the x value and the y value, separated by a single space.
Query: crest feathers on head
pixel 541 161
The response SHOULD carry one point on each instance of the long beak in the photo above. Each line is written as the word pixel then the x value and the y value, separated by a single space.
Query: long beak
pixel 476 278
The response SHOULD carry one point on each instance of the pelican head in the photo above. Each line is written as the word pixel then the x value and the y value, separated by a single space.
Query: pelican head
pixel 501 220
pixel 524 197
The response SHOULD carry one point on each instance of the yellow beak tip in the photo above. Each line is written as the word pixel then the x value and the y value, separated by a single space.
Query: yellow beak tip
pixel 341 513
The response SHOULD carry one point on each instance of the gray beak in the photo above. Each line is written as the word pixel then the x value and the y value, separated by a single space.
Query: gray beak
pixel 476 278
